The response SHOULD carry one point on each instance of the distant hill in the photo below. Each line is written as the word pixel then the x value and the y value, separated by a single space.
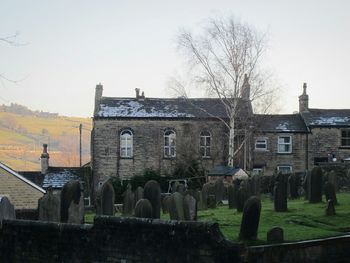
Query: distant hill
pixel 23 131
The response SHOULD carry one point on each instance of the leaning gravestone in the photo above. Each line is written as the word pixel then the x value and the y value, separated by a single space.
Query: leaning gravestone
pixel 315 185
pixel 143 208
pixel 152 193
pixel 219 190
pixel 250 219
pixel 128 201
pixel 190 208
pixel 330 209
pixel 49 207
pixel 280 193
pixel 7 210
pixel 275 235
pixel 329 192
pixel 105 199
pixel 176 207
pixel 72 201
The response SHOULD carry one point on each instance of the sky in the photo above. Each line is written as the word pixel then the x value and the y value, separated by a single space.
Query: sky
pixel 67 47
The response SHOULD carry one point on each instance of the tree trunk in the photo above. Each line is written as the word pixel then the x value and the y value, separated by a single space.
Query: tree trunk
pixel 231 146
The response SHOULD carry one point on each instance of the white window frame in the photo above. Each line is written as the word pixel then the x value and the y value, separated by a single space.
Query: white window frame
pixel 169 143
pixel 263 141
pixel 279 143
pixel 205 148
pixel 126 143
pixel 344 138
pixel 284 166
pixel 258 171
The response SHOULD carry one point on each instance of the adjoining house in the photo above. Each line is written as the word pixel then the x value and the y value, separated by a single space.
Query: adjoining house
pixel 21 192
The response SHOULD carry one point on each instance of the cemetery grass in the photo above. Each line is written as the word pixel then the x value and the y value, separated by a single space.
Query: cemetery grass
pixel 302 221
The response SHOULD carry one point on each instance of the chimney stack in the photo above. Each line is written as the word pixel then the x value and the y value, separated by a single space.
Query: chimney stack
pixel 304 100
pixel 44 158
pixel 138 96
pixel 246 88
pixel 98 96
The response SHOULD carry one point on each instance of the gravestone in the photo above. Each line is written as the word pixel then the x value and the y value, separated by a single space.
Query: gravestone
pixel 152 193
pixel 293 185
pixel 174 187
pixel 105 199
pixel 201 204
pixel 143 208
pixel 275 235
pixel 329 192
pixel 49 207
pixel 315 185
pixel 255 185
pixel 7 210
pixel 280 193
pixel 128 201
pixel 205 193
pixel 219 190
pixel 242 195
pixel 190 208
pixel 166 204
pixel 330 209
pixel 250 219
pixel 306 185
pixel 232 202
pixel 72 201
pixel 181 189
pixel 176 208
pixel 211 201
pixel 138 194
pixel 332 178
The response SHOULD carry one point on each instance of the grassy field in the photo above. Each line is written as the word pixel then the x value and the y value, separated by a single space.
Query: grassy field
pixel 303 221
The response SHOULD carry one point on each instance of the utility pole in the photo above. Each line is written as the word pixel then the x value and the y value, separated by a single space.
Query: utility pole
pixel 80 129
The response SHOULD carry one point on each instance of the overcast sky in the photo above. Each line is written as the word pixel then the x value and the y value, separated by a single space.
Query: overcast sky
pixel 70 46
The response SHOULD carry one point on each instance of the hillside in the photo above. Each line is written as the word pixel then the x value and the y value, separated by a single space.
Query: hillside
pixel 22 133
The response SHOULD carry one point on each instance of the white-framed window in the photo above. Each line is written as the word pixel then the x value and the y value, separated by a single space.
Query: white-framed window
pixel 126 144
pixel 285 169
pixel 258 171
pixel 205 144
pixel 261 144
pixel 169 144
pixel 345 138
pixel 284 144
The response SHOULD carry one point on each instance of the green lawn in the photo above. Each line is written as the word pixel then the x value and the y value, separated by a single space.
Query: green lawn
pixel 302 221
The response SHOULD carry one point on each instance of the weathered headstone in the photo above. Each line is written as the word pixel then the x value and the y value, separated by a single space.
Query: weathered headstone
pixel 128 201
pixel 330 210
pixel 105 199
pixel 211 201
pixel 315 186
pixel 232 202
pixel 190 208
pixel 219 190
pixel 143 208
pixel 280 193
pixel 242 195
pixel 250 219
pixel 7 210
pixel 72 201
pixel 293 185
pixel 152 193
pixel 138 194
pixel 205 193
pixel 275 235
pixel 176 208
pixel 255 185
pixel 306 185
pixel 332 178
pixel 329 192
pixel 166 204
pixel 49 207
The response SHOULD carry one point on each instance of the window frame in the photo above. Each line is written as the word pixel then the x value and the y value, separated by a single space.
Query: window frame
pixel 284 165
pixel 347 138
pixel 256 142
pixel 206 146
pixel 169 147
pixel 290 143
pixel 126 144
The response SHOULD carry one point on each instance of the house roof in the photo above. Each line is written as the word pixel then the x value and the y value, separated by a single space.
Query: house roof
pixel 165 108
pixel 221 170
pixel 22 178
pixel 56 177
pixel 280 123
pixel 327 117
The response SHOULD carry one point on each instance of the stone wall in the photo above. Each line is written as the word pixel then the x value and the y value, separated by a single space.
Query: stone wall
pixel 148 151
pixel 113 239
pixel 270 158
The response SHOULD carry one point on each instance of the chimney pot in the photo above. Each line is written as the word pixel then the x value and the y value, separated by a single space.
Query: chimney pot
pixel 137 90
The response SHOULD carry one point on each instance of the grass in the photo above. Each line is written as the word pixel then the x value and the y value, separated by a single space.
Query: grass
pixel 303 221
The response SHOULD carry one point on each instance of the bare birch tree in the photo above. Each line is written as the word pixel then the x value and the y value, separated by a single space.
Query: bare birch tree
pixel 224 60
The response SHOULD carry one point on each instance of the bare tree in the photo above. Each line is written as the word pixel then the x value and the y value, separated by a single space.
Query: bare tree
pixel 224 60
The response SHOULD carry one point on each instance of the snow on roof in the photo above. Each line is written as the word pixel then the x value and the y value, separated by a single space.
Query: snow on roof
pixel 280 123
pixel 327 117
pixel 9 170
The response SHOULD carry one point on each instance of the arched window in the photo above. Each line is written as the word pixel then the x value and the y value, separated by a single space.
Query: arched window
pixel 126 144
pixel 204 144
pixel 169 143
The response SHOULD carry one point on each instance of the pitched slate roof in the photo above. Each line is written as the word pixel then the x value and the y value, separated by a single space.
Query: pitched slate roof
pixel 56 177
pixel 280 123
pixel 164 108
pixel 327 117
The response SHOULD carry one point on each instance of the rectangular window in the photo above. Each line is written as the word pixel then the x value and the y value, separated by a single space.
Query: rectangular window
pixel 284 144
pixel 345 138
pixel 285 169
pixel 258 171
pixel 261 144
